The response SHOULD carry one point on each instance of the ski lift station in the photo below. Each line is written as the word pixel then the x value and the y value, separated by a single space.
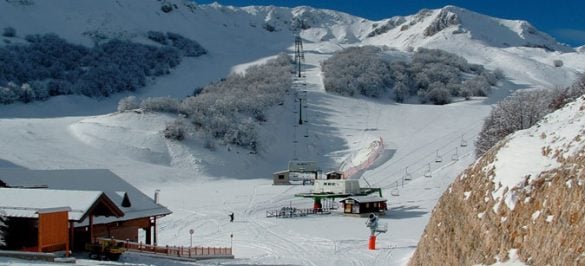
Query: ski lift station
pixel 303 171
pixel 335 186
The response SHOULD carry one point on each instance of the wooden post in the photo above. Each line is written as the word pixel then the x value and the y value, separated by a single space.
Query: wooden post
pixel 148 233
pixel 71 237
pixel 154 230
pixel 91 239
pixel 39 239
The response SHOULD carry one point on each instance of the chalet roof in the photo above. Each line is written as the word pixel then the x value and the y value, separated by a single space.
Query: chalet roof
pixel 365 199
pixel 27 203
pixel 88 180
pixel 280 172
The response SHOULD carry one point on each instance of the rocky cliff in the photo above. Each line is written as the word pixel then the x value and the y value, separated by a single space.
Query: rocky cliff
pixel 524 199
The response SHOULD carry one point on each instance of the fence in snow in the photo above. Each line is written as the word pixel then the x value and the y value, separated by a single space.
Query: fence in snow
pixel 177 251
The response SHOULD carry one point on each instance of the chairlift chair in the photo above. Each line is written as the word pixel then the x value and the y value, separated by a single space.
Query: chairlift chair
pixel 395 192
pixel 455 156
pixel 438 158
pixel 407 175
pixel 463 142
pixel 428 173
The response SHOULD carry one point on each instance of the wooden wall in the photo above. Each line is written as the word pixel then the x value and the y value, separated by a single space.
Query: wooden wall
pixel 53 231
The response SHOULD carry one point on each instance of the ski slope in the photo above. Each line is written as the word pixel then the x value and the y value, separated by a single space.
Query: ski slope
pixel 202 187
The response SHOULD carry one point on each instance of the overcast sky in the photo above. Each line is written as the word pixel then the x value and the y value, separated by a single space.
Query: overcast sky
pixel 563 19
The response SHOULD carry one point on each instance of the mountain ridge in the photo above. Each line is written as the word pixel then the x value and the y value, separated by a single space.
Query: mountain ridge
pixel 280 18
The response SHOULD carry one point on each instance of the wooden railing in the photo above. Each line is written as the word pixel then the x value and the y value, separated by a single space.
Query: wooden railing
pixel 175 251
pixel 288 212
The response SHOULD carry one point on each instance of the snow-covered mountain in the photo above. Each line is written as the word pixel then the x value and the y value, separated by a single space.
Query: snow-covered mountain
pixel 523 52
pixel 431 26
pixel 201 186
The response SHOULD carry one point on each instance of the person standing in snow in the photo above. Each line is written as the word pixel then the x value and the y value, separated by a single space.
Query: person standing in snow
pixel 231 217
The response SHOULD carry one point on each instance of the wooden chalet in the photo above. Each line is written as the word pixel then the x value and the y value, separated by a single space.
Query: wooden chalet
pixel 43 219
pixel 118 212
pixel 364 205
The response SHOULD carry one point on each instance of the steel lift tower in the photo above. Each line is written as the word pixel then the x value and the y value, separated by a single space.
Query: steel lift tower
pixel 299 54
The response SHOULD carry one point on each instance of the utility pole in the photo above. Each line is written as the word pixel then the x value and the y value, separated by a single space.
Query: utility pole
pixel 231 240
pixel 191 231
pixel 300 111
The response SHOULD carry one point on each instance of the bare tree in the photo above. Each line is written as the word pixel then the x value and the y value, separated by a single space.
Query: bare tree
pixel 519 111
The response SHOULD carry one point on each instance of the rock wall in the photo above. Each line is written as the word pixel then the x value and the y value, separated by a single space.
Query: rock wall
pixel 544 224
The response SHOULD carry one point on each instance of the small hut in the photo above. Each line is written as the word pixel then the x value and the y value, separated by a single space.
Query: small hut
pixel 281 178
pixel 298 171
pixel 364 205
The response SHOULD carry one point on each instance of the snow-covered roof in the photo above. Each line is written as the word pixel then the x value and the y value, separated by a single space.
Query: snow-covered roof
pixel 27 203
pixel 280 172
pixel 101 180
pixel 365 199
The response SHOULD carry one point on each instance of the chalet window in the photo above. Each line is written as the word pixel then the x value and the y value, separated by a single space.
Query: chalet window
pixel 280 176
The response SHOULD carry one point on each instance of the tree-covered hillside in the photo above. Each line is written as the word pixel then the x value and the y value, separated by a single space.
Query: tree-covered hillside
pixel 227 111
pixel 432 75
pixel 47 65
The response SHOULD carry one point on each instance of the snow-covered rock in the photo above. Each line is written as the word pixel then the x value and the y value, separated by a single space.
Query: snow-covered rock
pixel 530 207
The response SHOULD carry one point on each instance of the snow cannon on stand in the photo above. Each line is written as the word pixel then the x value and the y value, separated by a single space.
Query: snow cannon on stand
pixel 375 229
